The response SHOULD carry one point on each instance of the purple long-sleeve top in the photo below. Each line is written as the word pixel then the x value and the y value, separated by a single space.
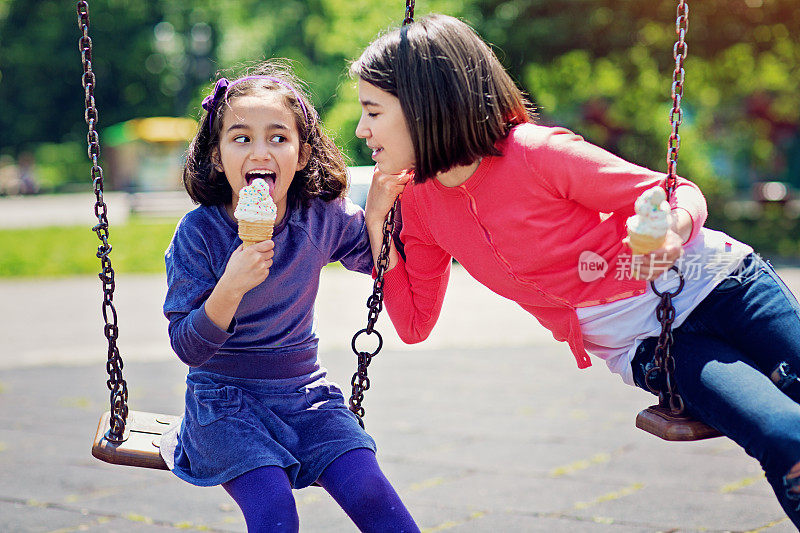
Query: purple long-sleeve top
pixel 273 333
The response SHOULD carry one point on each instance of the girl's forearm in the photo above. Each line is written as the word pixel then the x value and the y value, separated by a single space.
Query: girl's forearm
pixel 690 203
pixel 681 223
pixel 375 230
pixel 222 304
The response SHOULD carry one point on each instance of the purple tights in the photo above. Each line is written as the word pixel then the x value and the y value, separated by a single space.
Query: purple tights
pixel 353 479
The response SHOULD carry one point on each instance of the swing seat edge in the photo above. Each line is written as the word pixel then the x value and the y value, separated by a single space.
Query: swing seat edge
pixel 140 448
pixel 662 423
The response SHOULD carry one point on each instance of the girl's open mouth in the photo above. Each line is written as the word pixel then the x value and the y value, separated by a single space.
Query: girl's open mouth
pixel 266 175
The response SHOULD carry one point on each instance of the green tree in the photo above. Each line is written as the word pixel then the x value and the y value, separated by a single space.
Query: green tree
pixel 160 57
pixel 322 36
pixel 604 69
pixel 599 67
pixel 41 70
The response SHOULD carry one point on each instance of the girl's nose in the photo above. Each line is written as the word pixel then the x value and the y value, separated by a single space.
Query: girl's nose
pixel 361 131
pixel 260 151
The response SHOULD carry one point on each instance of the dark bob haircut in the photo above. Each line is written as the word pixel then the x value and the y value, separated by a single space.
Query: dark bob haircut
pixel 325 174
pixel 456 97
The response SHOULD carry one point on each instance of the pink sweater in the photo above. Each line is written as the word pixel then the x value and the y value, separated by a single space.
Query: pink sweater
pixel 519 225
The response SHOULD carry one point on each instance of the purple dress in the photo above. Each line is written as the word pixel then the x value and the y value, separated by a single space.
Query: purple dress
pixel 256 392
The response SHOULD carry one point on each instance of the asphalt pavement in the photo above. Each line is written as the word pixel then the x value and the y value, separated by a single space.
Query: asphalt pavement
pixel 486 427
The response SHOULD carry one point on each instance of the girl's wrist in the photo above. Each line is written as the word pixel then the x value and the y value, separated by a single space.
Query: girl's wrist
pixel 229 290
pixel 374 220
pixel 222 303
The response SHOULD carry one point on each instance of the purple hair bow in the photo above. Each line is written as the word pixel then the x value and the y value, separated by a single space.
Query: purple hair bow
pixel 210 101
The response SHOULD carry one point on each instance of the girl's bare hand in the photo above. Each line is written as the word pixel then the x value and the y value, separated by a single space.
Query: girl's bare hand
pixel 652 265
pixel 383 191
pixel 248 267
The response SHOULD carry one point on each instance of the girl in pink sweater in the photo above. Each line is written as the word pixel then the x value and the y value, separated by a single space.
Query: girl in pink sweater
pixel 538 215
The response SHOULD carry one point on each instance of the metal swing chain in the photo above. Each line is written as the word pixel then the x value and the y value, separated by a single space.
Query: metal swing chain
pixel 409 18
pixel 664 368
pixel 679 52
pixel 360 380
pixel 116 383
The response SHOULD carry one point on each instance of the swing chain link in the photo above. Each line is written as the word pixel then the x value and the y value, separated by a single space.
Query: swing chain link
pixel 360 380
pixel 116 384
pixel 660 378
pixel 679 53
pixel 409 18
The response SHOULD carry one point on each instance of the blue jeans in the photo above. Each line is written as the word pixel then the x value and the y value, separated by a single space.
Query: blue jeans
pixel 737 357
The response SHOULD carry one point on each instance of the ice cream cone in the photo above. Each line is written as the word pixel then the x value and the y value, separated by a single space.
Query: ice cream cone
pixel 647 229
pixel 644 244
pixel 254 232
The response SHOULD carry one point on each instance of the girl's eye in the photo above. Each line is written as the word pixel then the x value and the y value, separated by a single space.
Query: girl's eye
pixel 372 115
pixel 278 139
pixel 241 139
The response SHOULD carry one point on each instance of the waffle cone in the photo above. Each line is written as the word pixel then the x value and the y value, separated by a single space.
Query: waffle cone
pixel 253 232
pixel 644 244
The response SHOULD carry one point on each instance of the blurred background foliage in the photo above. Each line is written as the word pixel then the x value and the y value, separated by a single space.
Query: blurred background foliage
pixel 600 67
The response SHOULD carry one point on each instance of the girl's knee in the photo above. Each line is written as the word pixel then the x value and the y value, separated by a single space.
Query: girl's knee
pixel 370 488
pixel 278 515
pixel 265 497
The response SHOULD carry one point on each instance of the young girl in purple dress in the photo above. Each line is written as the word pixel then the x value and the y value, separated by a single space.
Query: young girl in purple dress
pixel 261 418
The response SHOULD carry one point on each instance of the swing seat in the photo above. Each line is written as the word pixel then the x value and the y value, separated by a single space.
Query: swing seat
pixel 140 445
pixel 662 423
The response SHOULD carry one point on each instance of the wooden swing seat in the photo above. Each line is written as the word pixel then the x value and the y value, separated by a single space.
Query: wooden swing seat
pixel 662 423
pixel 140 446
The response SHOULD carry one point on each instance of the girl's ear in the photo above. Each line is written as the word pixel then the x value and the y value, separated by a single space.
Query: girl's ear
pixel 305 154
pixel 215 159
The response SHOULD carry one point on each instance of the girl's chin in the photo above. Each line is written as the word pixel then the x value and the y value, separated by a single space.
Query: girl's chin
pixel 386 168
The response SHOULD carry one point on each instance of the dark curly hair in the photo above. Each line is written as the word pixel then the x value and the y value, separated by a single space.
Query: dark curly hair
pixel 325 175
